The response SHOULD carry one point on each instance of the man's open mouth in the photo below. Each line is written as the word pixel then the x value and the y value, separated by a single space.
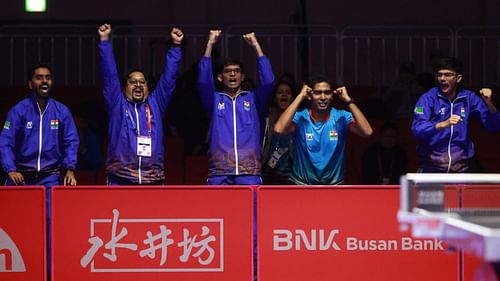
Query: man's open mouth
pixel 44 88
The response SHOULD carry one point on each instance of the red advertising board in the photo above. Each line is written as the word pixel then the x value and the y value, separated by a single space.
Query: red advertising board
pixel 22 233
pixel 343 233
pixel 152 233
pixel 478 196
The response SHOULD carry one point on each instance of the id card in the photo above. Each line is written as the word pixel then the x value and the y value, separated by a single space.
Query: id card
pixel 144 146
pixel 275 157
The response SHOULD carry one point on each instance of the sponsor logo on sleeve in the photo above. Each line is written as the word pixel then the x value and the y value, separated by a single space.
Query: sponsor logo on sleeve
pixel 419 110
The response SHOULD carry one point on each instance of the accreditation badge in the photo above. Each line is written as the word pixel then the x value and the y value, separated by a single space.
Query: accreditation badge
pixel 275 157
pixel 144 146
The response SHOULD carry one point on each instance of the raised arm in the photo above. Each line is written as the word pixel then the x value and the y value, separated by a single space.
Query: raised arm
pixel 361 126
pixel 284 124
pixel 166 85
pixel 266 76
pixel 107 67
pixel 212 39
pixel 206 83
pixel 251 39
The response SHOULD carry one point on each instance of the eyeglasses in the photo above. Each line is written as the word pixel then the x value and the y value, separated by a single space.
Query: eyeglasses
pixel 135 82
pixel 319 92
pixel 446 75
pixel 230 70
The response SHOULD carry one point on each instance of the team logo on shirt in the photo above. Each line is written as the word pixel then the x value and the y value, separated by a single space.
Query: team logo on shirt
pixel 419 110
pixel 333 135
pixel 6 125
pixel 462 111
pixel 442 111
pixel 54 124
pixel 246 105
pixel 309 136
pixel 220 106
pixel 29 125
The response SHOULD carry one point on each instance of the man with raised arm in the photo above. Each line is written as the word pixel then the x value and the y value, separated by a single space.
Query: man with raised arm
pixel 234 134
pixel 319 133
pixel 135 129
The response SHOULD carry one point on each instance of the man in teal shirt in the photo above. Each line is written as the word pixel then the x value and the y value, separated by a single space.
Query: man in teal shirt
pixel 319 133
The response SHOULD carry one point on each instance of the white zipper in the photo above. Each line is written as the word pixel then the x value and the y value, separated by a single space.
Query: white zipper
pixel 235 139
pixel 138 134
pixel 449 142
pixel 451 136
pixel 40 135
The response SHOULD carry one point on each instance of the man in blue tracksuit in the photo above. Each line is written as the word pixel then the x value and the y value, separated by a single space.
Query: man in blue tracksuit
pixel 39 137
pixel 38 140
pixel 135 130
pixel 234 136
pixel 441 120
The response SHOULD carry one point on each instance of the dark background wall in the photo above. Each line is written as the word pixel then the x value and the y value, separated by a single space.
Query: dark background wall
pixel 339 13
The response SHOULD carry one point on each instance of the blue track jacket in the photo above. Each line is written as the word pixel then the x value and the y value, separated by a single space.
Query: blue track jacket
pixel 36 143
pixel 450 149
pixel 234 134
pixel 126 118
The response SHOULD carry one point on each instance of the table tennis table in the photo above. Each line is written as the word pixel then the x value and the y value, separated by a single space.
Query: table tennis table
pixel 474 230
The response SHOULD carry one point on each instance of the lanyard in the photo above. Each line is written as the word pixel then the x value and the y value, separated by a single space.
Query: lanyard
pixel 148 116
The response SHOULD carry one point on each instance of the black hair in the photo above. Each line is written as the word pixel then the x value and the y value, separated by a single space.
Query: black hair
pixel 227 62
pixel 450 63
pixel 32 70
pixel 321 79
pixel 124 80
pixel 293 89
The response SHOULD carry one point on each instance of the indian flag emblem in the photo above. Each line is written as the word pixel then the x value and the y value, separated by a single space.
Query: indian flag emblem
pixel 462 111
pixel 419 110
pixel 333 135
pixel 54 124
pixel 246 105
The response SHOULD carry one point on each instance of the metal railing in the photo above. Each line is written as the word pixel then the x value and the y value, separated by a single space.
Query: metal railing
pixel 371 55
pixel 356 55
